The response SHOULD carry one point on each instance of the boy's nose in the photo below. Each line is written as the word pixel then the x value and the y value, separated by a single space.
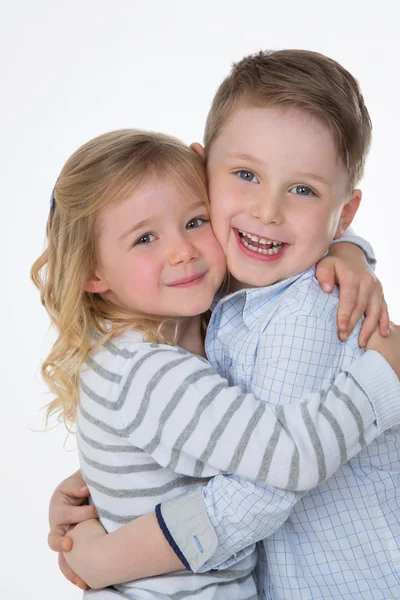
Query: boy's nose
pixel 268 210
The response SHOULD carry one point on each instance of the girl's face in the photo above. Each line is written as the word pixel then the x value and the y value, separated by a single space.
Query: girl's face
pixel 156 252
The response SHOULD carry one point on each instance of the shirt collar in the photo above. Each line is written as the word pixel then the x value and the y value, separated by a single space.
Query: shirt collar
pixel 255 299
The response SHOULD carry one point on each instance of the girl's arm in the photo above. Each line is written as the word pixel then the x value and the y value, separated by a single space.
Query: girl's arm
pixel 350 263
pixel 176 408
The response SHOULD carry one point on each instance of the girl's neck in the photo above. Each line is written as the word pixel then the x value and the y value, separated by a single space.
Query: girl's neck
pixel 190 337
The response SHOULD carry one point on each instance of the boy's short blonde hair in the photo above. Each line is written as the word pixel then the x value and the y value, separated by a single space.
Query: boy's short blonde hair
pixel 306 80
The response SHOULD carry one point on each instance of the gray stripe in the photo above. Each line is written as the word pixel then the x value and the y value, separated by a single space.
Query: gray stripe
pixel 186 593
pixel 271 447
pixel 107 590
pixel 173 403
pixel 104 373
pixel 187 432
pixel 216 434
pixel 113 349
pixel 293 480
pixel 224 574
pixel 120 469
pixel 336 429
pixel 122 397
pixel 354 411
pixel 316 442
pixel 244 440
pixel 105 514
pixel 106 447
pixel 144 493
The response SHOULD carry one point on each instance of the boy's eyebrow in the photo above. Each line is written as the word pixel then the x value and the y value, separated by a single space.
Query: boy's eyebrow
pixel 314 176
pixel 245 156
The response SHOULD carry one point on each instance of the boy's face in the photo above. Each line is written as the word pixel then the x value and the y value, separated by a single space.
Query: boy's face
pixel 279 193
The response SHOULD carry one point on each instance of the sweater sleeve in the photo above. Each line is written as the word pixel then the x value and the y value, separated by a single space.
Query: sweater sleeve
pixel 179 410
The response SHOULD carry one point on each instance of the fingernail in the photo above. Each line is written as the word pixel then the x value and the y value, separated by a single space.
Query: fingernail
pixel 326 287
pixel 65 545
pixel 84 488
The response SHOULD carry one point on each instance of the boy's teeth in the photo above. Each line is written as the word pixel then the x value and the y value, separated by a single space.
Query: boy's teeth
pixel 271 250
pixel 258 240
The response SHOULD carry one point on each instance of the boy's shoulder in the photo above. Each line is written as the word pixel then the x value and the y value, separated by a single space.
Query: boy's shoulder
pixel 305 297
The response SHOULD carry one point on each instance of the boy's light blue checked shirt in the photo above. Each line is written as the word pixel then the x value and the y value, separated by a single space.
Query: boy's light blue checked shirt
pixel 342 540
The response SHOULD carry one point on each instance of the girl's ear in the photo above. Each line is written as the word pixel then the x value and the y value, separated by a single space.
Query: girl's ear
pixel 198 148
pixel 348 213
pixel 95 285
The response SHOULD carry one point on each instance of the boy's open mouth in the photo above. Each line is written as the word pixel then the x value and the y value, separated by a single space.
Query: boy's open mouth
pixel 260 245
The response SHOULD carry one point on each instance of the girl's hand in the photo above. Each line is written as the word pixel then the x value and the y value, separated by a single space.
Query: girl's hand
pixel 68 506
pixel 388 346
pixel 360 291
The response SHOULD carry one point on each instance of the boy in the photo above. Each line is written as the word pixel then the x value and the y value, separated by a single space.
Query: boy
pixel 285 145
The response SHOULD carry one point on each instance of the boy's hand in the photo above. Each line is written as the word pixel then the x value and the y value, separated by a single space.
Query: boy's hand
pixel 69 573
pixel 79 557
pixel 360 291
pixel 389 346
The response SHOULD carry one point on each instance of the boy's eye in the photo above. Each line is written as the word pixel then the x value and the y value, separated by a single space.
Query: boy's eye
pixel 302 190
pixel 195 223
pixel 147 238
pixel 247 175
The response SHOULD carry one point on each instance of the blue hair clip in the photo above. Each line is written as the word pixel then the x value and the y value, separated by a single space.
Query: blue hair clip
pixel 52 198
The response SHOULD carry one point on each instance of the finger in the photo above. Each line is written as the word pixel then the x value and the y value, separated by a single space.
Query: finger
pixel 384 321
pixel 325 274
pixel 347 303
pixel 75 488
pixel 56 537
pixel 71 515
pixel 69 574
pixel 372 316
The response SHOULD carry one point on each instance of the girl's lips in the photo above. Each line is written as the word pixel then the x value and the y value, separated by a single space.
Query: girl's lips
pixel 187 281
pixel 258 255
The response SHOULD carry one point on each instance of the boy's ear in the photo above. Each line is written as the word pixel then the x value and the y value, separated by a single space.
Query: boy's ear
pixel 198 148
pixel 95 285
pixel 348 213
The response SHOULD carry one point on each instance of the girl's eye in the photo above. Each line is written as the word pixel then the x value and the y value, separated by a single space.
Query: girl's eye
pixel 195 223
pixel 247 175
pixel 302 190
pixel 147 238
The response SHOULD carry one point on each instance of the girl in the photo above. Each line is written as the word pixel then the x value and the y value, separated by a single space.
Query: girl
pixel 131 267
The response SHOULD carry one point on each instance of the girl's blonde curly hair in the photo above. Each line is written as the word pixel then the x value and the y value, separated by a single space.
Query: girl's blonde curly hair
pixel 106 169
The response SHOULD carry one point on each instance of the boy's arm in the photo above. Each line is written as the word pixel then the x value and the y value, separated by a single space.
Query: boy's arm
pixel 137 550
pixel 240 513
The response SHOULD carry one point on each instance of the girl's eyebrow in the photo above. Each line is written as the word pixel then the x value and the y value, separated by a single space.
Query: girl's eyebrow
pixel 144 222
pixel 134 228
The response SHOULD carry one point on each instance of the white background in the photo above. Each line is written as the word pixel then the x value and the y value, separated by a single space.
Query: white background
pixel 71 70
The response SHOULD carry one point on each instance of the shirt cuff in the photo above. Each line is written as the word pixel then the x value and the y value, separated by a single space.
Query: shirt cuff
pixel 381 384
pixel 350 237
pixel 187 528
